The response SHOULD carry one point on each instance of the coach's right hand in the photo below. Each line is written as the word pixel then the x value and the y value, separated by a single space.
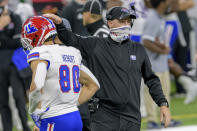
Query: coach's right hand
pixel 56 19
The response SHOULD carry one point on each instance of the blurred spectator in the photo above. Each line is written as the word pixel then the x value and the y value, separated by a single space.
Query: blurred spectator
pixel 193 17
pixel 92 19
pixel 41 6
pixel 113 3
pixel 185 80
pixel 10 27
pixel 182 43
pixel 174 32
pixel 73 13
pixel 192 14
pixel 153 39
pixel 24 10
pixel 13 3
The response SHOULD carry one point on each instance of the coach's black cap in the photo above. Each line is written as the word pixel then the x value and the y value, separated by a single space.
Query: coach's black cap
pixel 93 6
pixel 120 13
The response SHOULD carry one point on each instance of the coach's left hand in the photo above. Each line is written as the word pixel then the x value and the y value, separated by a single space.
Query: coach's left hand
pixel 165 116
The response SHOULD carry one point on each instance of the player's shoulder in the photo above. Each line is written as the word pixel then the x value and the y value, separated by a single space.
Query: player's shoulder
pixel 38 53
pixel 70 49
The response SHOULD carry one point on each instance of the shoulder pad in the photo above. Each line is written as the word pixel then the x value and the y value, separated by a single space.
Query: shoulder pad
pixel 38 53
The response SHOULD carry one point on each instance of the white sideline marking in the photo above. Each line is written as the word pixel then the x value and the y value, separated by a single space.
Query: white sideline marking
pixel 183 128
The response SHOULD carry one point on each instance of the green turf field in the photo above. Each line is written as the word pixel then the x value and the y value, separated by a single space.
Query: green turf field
pixel 185 113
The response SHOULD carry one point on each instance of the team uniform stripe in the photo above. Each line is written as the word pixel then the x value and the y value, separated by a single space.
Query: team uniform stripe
pixel 50 127
pixel 33 55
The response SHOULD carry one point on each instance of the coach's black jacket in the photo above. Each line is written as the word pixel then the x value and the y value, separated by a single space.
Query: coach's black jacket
pixel 119 69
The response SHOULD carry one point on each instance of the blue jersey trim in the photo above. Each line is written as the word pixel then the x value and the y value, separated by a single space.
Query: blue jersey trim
pixel 33 55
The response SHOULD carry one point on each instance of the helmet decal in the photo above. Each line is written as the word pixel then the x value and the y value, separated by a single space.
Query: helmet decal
pixel 29 28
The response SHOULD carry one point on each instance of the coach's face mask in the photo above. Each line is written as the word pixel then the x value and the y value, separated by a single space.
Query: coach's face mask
pixel 121 33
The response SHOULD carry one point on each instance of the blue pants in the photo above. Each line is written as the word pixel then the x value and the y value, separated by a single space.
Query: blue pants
pixel 67 122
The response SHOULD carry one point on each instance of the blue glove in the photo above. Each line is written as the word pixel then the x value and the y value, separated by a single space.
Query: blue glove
pixel 36 117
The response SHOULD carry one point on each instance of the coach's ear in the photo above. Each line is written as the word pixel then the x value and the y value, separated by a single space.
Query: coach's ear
pixel 56 19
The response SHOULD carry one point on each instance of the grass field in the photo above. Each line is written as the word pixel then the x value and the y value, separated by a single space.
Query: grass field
pixel 184 113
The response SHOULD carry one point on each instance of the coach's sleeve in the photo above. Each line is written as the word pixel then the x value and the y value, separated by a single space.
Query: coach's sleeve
pixel 84 44
pixel 152 81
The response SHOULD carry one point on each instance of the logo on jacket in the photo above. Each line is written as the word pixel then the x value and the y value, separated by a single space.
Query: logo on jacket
pixel 133 57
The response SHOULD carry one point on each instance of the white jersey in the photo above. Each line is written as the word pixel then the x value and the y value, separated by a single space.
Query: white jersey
pixel 61 89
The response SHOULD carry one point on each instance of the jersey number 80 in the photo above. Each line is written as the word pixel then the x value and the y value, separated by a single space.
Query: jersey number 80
pixel 65 82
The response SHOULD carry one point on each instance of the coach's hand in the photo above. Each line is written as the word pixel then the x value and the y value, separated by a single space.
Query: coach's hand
pixel 56 19
pixel 165 116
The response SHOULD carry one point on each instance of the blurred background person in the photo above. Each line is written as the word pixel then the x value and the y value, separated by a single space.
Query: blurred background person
pixel 153 39
pixel 181 43
pixel 193 17
pixel 181 46
pixel 10 27
pixel 40 6
pixel 73 13
pixel 24 10
pixel 92 19
pixel 14 3
pixel 113 3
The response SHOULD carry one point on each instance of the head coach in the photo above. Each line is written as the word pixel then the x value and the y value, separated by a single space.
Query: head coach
pixel 119 65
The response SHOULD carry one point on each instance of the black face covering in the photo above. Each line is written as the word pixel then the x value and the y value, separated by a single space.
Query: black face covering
pixel 2 8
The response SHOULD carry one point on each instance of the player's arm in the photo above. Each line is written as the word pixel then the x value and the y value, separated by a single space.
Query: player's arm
pixel 90 85
pixel 84 44
pixel 39 69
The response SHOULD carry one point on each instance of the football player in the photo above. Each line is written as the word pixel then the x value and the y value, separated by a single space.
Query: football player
pixel 57 73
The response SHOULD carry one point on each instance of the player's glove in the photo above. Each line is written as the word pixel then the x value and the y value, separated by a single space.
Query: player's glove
pixel 36 117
